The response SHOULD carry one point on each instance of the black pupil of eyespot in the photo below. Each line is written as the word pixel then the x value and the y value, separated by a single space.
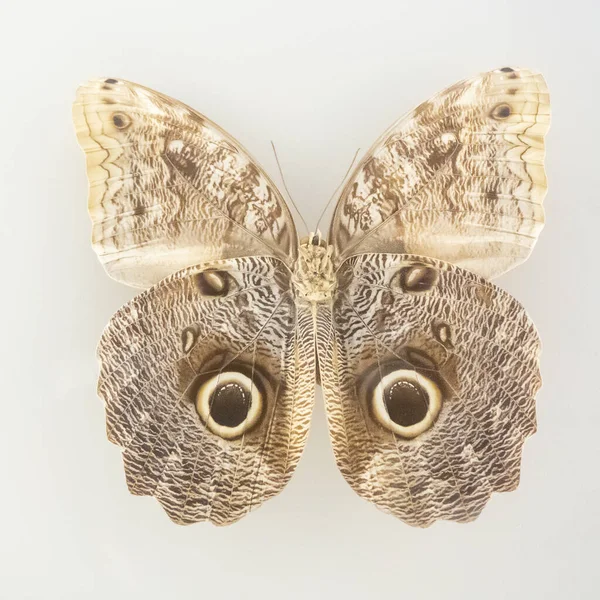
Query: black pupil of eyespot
pixel 406 403
pixel 229 404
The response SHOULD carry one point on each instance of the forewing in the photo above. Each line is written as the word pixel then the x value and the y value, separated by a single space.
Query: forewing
pixel 429 375
pixel 460 178
pixel 169 188
pixel 208 382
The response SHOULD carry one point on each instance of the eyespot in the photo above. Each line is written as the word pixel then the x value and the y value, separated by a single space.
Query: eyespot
pixel 121 121
pixel 188 338
pixel 229 403
pixel 213 282
pixel 443 334
pixel 406 402
pixel 501 112
pixel 416 278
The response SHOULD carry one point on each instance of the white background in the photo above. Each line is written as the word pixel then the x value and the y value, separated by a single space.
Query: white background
pixel 321 79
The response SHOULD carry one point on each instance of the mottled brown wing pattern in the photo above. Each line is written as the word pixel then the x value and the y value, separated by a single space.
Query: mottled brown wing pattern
pixel 169 188
pixel 460 178
pixel 429 371
pixel 460 358
pixel 208 381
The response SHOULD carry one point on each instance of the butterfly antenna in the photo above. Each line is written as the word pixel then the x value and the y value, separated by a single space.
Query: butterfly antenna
pixel 286 187
pixel 337 189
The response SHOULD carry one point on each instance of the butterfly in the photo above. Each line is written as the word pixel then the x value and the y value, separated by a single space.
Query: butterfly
pixel 429 372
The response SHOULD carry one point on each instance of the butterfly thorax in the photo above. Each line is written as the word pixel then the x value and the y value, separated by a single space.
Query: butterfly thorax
pixel 314 276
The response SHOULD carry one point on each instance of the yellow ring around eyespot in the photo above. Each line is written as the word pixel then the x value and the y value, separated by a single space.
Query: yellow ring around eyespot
pixel 434 396
pixel 203 403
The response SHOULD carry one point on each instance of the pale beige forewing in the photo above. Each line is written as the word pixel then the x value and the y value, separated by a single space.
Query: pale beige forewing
pixel 169 188
pixel 429 374
pixel 460 178
pixel 208 382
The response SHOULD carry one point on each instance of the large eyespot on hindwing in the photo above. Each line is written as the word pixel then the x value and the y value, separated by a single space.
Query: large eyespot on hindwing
pixel 406 402
pixel 416 278
pixel 214 283
pixel 230 403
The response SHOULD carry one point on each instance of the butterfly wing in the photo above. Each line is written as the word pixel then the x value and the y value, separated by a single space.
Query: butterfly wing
pixel 169 188
pixel 429 374
pixel 208 383
pixel 208 376
pixel 460 178
pixel 429 371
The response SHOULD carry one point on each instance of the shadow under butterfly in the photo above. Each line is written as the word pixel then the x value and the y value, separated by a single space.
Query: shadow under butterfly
pixel 429 371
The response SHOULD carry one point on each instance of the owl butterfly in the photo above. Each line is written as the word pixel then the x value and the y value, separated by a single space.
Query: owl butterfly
pixel 429 371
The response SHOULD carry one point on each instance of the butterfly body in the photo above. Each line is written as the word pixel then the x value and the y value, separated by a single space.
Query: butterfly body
pixel 429 371
pixel 314 274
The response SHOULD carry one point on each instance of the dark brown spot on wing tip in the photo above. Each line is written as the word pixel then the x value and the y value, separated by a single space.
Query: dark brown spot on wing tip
pixel 501 111
pixel 229 404
pixel 406 403
pixel 507 70
pixel 213 282
pixel 108 83
pixel 418 278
